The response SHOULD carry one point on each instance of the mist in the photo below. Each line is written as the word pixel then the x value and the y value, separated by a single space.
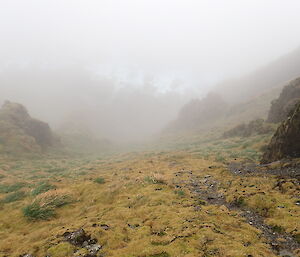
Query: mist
pixel 123 69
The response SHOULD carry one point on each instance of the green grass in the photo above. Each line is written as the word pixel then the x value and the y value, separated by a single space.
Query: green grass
pixel 278 229
pixel 55 170
pixel 42 188
pixel 16 196
pixel 44 208
pixel 35 211
pixel 179 193
pixel 4 188
pixel 99 180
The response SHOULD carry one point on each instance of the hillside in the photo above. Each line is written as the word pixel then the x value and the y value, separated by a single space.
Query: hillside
pixel 19 133
pixel 272 75
pixel 197 116
pixel 243 99
pixel 198 113
pixel 240 100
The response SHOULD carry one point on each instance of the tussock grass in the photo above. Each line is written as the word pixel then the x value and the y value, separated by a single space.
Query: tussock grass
pixel 43 207
pixel 35 211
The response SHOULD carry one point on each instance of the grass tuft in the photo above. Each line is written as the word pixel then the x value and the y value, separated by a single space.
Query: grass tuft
pixel 35 211
pixel 99 180
pixel 43 207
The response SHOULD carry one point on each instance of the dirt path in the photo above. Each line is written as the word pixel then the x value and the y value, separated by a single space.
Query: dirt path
pixel 206 188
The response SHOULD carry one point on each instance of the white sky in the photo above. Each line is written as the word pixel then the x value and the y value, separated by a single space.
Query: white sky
pixel 198 42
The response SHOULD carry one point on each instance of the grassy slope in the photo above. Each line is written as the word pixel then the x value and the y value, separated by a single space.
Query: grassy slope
pixel 147 214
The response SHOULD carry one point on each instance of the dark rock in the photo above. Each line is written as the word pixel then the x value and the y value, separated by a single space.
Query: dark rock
pixel 80 239
pixel 286 102
pixel 286 141
pixel 77 238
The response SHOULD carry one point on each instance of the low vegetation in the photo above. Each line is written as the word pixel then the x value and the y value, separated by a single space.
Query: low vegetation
pixel 43 207
pixel 42 188
pixel 144 206
pixel 12 197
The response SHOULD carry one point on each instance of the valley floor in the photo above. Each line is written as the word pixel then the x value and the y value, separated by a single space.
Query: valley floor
pixel 150 204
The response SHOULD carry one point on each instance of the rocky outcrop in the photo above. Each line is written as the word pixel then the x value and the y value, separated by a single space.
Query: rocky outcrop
pixel 286 141
pixel 21 133
pixel 289 97
pixel 81 239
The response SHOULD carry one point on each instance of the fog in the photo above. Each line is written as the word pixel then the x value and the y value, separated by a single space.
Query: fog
pixel 123 69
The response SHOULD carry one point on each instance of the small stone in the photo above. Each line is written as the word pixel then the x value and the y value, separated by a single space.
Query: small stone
pixel 105 226
pixel 94 248
pixel 197 208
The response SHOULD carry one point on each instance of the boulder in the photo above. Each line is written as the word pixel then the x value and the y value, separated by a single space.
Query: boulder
pixel 285 143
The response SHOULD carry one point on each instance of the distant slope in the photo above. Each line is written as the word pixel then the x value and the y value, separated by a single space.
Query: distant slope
pixel 240 100
pixel 198 112
pixel 257 107
pixel 195 117
pixel 273 75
